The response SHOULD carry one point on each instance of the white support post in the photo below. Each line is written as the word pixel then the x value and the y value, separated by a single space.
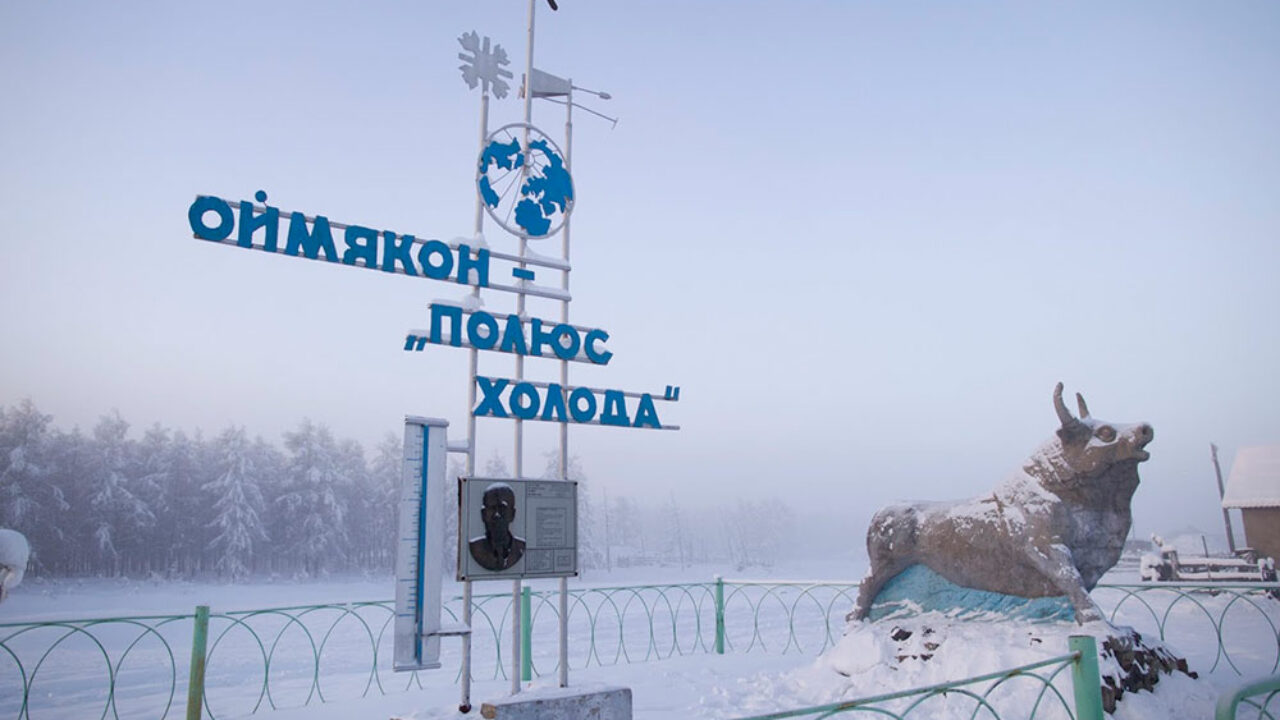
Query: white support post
pixel 520 298
pixel 564 383
pixel 464 703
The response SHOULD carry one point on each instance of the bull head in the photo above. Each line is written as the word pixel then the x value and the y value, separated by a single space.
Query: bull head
pixel 1090 446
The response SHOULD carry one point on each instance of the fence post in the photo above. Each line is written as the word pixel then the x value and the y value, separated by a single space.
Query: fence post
pixel 719 615
pixel 195 682
pixel 526 635
pixel 1085 678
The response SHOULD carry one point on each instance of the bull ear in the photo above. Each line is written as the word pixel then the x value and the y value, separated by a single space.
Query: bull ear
pixel 1084 409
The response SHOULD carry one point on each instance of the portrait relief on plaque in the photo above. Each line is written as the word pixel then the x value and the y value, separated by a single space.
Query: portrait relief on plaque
pixel 498 548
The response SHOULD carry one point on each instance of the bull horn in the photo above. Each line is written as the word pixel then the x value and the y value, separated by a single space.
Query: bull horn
pixel 1064 415
pixel 1084 409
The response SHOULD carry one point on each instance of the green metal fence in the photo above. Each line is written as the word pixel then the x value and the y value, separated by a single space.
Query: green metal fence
pixel 1207 615
pixel 258 660
pixel 1247 695
pixel 981 692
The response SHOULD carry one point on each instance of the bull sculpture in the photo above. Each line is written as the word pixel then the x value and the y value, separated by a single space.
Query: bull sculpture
pixel 1052 528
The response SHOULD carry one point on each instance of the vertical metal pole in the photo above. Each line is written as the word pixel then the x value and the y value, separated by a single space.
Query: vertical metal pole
pixel 515 637
pixel 195 682
pixel 464 703
pixel 719 615
pixel 564 383
pixel 1085 678
pixel 526 624
pixel 1226 516
pixel 519 435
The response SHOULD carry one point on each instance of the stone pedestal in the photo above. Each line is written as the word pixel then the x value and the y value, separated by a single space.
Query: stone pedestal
pixel 589 702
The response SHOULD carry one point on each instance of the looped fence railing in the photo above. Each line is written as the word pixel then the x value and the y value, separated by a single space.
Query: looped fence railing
pixel 1256 697
pixel 978 696
pixel 791 616
pixel 1236 622
pixel 120 668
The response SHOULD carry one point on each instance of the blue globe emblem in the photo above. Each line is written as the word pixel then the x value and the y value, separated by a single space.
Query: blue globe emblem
pixel 528 194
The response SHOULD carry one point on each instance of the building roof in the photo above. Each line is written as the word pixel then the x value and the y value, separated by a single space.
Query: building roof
pixel 1255 478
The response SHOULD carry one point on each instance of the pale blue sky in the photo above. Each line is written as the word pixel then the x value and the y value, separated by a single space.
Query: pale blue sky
pixel 865 238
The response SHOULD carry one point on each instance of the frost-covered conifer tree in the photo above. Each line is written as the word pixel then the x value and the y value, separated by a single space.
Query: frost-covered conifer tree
pixel 29 502
pixel 311 507
pixel 496 467
pixel 24 439
pixel 237 506
pixel 117 516
pixel 384 496
pixel 457 469
pixel 154 488
pixel 185 531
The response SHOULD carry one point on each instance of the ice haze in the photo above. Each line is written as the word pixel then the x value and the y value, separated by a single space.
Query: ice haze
pixel 865 239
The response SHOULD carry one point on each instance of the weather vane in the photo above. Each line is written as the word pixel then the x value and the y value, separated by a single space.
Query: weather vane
pixel 482 65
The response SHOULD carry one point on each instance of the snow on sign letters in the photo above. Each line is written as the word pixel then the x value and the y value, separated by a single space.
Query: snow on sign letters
pixel 517 528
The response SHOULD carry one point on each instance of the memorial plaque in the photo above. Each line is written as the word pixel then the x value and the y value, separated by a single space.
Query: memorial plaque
pixel 510 529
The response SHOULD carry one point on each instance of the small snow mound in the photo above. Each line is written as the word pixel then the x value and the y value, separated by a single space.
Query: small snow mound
pixel 14 554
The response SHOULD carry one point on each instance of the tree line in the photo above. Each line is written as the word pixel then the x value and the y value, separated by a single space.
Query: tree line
pixel 172 505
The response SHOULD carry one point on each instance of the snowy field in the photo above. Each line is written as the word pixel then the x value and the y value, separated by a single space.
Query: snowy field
pixel 775 636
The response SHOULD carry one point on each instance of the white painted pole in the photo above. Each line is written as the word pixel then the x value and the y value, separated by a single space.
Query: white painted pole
pixel 519 432
pixel 564 383
pixel 464 703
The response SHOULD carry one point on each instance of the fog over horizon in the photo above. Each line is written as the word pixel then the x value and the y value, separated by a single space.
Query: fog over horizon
pixel 864 240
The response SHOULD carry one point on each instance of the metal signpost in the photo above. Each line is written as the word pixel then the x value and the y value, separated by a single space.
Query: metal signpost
pixel 509 528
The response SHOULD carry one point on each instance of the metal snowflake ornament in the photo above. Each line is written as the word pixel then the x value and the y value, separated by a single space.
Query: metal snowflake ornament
pixel 481 65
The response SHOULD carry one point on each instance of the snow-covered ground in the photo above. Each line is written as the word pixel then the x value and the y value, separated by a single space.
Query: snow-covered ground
pixel 684 681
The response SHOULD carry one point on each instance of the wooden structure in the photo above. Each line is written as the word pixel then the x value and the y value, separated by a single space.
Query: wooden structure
pixel 1253 488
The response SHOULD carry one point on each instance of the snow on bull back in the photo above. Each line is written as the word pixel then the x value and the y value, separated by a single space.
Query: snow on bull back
pixel 1053 528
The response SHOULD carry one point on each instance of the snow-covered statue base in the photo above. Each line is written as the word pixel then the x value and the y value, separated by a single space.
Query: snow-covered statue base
pixel 1053 528
pixel 1140 677
pixel 919 589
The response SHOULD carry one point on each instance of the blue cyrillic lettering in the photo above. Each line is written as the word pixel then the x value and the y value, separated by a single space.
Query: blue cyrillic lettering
pixel 397 252
pixel 513 337
pixel 362 244
pixel 226 220
pixel 480 319
pixel 491 404
pixel 454 313
pixel 432 270
pixel 576 411
pixel 249 224
pixel 614 411
pixel 538 338
pixel 466 264
pixel 594 355
pixel 570 351
pixel 311 241
pixel 554 407
pixel 646 413
pixel 519 409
